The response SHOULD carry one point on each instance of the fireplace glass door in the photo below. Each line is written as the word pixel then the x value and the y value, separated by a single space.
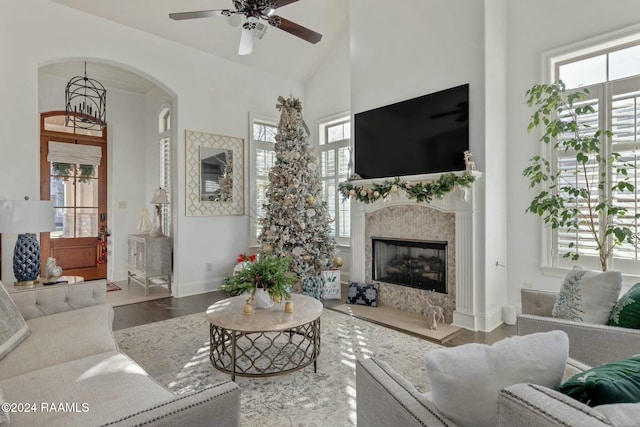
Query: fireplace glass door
pixel 412 263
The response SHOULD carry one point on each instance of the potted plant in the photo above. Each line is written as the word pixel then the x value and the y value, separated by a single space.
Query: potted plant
pixel 269 273
pixel 571 198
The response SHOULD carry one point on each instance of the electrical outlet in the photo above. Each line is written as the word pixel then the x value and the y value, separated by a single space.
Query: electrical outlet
pixel 122 204
pixel 528 285
pixel 208 267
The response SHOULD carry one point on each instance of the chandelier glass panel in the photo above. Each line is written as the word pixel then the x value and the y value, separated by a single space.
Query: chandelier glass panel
pixel 86 103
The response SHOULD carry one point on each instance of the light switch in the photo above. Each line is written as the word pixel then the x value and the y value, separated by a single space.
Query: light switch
pixel 122 204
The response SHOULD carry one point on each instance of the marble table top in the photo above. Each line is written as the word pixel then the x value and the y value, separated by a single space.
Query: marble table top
pixel 229 314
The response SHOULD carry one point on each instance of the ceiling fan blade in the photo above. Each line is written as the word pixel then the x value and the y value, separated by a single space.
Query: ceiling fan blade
pixel 295 29
pixel 201 14
pixel 280 3
pixel 246 39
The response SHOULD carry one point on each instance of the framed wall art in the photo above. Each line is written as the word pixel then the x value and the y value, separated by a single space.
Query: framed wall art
pixel 214 174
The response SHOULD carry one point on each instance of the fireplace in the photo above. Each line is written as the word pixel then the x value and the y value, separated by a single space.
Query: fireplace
pixel 416 264
pixel 452 219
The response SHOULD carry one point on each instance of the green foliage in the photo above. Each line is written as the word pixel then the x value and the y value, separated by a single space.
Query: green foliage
pixel 65 170
pixel 421 191
pixel 270 272
pixel 558 112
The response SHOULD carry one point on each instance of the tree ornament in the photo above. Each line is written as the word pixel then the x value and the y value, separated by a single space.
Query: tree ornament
pixel 311 201
pixel 338 261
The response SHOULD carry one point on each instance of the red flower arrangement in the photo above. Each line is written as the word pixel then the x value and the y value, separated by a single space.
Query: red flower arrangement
pixel 245 258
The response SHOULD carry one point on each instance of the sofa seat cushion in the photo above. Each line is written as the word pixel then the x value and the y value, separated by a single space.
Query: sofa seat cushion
pixel 97 389
pixel 62 337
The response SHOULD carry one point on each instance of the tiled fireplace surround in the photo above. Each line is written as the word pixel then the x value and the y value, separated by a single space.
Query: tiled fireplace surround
pixel 449 219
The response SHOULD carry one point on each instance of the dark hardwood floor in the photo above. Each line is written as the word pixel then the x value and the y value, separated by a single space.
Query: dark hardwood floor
pixel 166 308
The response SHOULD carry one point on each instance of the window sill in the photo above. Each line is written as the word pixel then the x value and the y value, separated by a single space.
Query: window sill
pixel 627 278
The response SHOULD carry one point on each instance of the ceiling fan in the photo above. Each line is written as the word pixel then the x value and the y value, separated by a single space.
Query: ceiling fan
pixel 254 10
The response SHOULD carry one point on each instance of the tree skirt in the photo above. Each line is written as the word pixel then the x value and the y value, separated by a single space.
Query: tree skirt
pixel 176 353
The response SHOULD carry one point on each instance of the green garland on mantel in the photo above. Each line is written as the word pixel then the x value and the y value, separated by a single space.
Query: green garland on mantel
pixel 420 191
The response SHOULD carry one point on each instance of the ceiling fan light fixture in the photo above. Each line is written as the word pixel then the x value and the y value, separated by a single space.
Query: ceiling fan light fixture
pixel 269 10
pixel 235 20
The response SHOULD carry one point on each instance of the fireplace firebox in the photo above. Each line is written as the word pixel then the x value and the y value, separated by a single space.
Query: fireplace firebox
pixel 413 263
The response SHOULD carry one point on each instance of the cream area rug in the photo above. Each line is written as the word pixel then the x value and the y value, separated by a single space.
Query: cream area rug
pixel 176 353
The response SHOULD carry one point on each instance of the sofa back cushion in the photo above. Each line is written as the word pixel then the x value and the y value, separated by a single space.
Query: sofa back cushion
pixel 588 296
pixel 13 328
pixel 465 380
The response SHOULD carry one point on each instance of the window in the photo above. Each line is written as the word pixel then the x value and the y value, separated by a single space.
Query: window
pixel 262 140
pixel 612 77
pixel 164 129
pixel 335 155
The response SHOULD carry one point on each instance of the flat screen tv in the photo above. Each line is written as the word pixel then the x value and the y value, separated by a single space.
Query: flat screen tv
pixel 427 134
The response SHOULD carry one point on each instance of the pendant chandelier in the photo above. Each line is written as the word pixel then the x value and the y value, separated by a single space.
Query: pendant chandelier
pixel 86 103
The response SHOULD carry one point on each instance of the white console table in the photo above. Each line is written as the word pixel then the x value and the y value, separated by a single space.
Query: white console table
pixel 149 261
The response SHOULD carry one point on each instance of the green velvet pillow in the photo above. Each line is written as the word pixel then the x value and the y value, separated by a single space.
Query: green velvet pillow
pixel 626 312
pixel 615 382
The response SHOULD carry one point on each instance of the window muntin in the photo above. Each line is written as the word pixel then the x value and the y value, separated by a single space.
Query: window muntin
pixel 74 193
pixel 615 64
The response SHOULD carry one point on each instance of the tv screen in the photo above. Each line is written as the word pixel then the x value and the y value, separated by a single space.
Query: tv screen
pixel 422 135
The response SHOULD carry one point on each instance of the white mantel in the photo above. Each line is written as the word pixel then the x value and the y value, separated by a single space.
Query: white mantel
pixel 462 203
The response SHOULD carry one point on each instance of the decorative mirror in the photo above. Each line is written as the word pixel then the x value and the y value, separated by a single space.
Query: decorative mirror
pixel 215 165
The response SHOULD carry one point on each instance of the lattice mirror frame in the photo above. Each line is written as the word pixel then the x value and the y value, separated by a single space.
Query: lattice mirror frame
pixel 195 206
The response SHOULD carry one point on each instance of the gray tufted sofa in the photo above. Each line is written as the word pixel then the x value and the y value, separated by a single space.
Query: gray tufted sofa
pixel 71 358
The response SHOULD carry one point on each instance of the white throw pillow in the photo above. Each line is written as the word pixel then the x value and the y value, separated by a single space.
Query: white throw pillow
pixel 465 380
pixel 588 296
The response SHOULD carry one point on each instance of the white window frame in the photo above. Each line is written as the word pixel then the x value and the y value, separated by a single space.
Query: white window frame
pixel 323 125
pixel 552 262
pixel 254 226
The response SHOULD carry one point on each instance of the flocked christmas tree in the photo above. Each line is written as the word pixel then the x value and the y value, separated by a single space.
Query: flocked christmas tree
pixel 296 223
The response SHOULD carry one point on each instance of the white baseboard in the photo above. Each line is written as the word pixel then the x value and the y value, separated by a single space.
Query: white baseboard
pixel 195 288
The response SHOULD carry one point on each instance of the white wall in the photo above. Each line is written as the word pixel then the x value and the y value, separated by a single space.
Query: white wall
pixel 534 28
pixel 424 46
pixel 328 93
pixel 212 95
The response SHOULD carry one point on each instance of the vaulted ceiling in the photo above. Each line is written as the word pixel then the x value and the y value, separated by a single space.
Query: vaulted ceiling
pixel 277 52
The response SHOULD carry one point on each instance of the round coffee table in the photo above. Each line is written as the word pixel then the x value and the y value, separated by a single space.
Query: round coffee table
pixel 267 342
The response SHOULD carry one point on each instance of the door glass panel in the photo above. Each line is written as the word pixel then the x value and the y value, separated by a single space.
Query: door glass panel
pixel 87 222
pixel 74 192
pixel 65 220
pixel 87 193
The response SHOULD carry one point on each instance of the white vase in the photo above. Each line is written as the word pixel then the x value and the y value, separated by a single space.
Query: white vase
pixel 262 299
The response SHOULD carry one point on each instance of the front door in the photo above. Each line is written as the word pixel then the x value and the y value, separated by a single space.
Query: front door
pixel 79 195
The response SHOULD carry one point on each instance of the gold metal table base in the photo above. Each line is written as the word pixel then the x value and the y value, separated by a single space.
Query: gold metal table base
pixel 264 354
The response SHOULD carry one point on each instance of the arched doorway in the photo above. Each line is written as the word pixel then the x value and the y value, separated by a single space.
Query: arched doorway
pixel 73 175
